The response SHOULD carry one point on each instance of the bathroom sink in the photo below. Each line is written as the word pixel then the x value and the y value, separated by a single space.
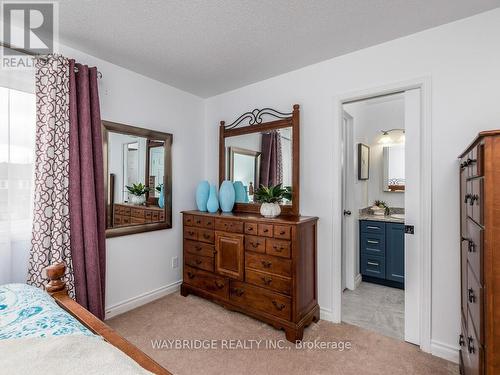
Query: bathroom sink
pixel 398 216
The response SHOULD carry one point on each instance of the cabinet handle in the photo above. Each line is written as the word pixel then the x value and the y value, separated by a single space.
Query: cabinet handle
pixel 266 263
pixel 254 244
pixel 467 196
pixel 372 263
pixel 198 247
pixel 266 230
pixel 278 306
pixel 473 198
pixel 198 221
pixel 239 292
pixel 371 241
pixel 282 233
pixel 372 227
pixel 472 247
pixel 471 161
pixel 190 274
pixel 206 236
pixel 461 340
pixel 198 261
pixel 219 284
pixel 209 223
pixel 472 296
pixel 250 229
pixel 267 280
pixel 278 249
pixel 470 344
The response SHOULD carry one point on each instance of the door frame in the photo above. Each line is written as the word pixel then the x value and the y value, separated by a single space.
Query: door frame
pixel 424 228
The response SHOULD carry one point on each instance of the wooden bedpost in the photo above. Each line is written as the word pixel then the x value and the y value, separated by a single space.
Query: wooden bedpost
pixel 55 273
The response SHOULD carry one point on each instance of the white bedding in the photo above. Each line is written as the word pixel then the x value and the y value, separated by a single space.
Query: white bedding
pixel 71 354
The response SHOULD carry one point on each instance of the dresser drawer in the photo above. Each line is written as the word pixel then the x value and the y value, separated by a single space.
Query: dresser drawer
pixel 283 232
pixel 137 220
pixel 475 304
pixel 206 235
pixel 251 228
pixel 191 233
pixel 126 219
pixel 209 282
pixel 265 230
pixel 137 212
pixel 208 223
pixel 474 243
pixel 373 244
pixel 373 266
pixel 268 263
pixel 229 225
pixel 198 221
pixel 475 161
pixel 278 248
pixel 254 243
pixel 188 220
pixel 198 261
pixel 268 280
pixel 260 299
pixel 199 248
pixel 376 227
pixel 476 201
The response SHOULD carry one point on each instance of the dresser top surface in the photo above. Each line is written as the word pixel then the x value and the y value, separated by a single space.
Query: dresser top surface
pixel 252 216
pixel 483 134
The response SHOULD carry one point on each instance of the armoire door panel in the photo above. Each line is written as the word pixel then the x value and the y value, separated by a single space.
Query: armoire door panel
pixel 229 255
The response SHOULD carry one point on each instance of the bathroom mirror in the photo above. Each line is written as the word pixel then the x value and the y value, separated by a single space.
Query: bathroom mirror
pixel 394 168
pixel 261 154
pixel 137 169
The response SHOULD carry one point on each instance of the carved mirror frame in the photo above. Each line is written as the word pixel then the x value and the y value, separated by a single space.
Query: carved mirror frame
pixel 106 128
pixel 252 122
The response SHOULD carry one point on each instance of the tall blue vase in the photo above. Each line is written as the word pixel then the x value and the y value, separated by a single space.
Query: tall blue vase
pixel 213 201
pixel 202 192
pixel 226 196
pixel 240 192
pixel 161 200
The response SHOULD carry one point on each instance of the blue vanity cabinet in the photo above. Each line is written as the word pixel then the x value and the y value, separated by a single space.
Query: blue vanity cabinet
pixel 381 247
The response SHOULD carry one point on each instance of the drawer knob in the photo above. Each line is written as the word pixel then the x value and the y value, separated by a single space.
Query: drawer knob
pixel 472 246
pixel 278 305
pixel 209 223
pixel 254 244
pixel 206 236
pixel 266 263
pixel 278 249
pixel 238 291
pixel 473 198
pixel 219 284
pixel 250 229
pixel 198 247
pixel 282 233
pixel 198 221
pixel 191 233
pixel 461 340
pixel 267 280
pixel 198 261
pixel 467 197
pixel 266 230
pixel 190 274
pixel 472 296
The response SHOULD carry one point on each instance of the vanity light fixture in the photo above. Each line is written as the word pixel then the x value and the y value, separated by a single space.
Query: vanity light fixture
pixel 386 137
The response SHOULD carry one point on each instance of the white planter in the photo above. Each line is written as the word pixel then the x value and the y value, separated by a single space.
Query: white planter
pixel 137 200
pixel 270 209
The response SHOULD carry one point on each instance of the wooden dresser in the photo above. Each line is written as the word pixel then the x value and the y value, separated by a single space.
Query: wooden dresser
pixel 265 268
pixel 480 255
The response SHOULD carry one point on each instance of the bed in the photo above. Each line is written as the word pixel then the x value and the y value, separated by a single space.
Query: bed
pixel 48 331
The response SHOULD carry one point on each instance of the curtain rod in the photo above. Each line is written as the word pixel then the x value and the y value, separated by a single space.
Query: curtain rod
pixel 34 54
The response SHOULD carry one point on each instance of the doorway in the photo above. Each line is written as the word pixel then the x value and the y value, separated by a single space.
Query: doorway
pixel 411 274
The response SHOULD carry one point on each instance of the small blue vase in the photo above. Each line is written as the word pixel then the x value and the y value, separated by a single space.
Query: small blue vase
pixel 240 192
pixel 161 200
pixel 226 196
pixel 202 192
pixel 213 201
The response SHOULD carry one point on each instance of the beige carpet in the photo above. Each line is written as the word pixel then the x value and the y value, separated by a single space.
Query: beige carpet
pixel 192 318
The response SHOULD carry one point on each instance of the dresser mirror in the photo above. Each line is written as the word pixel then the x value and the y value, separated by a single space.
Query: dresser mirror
pixel 138 171
pixel 394 168
pixel 259 153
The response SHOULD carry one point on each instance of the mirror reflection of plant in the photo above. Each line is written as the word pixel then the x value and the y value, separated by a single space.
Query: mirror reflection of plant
pixel 270 194
pixel 288 194
pixel 158 188
pixel 137 189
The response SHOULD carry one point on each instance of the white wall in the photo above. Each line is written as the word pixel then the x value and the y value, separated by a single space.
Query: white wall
pixel 139 265
pixel 463 60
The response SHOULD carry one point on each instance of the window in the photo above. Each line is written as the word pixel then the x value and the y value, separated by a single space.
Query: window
pixel 17 145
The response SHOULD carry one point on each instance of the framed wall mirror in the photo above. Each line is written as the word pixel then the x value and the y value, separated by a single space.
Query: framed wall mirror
pixel 258 153
pixel 138 179
pixel 394 168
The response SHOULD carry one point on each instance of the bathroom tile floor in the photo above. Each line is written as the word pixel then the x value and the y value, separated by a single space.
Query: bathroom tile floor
pixel 375 307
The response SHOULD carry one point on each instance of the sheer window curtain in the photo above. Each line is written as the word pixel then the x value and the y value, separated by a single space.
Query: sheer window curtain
pixel 17 143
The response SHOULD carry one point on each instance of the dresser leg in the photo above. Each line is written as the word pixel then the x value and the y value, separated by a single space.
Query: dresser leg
pixel 184 291
pixel 316 316
pixel 294 334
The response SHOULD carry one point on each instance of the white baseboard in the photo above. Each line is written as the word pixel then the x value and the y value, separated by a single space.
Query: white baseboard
pixel 357 280
pixel 141 299
pixel 326 314
pixel 445 351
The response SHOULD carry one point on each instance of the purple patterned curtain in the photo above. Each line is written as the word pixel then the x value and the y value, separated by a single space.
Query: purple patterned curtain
pixel 50 241
pixel 271 171
pixel 86 189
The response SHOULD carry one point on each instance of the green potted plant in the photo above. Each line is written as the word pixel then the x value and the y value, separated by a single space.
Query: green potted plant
pixel 137 193
pixel 270 198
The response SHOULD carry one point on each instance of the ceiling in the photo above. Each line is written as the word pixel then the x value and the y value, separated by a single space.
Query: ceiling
pixel 207 47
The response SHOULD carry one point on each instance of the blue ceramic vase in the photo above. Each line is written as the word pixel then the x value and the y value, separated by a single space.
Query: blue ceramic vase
pixel 202 192
pixel 161 200
pixel 240 192
pixel 226 196
pixel 213 201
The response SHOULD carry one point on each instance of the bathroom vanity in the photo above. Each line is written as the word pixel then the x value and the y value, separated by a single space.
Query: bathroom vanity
pixel 381 247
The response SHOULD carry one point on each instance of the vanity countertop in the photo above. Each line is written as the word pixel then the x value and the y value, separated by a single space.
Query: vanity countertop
pixel 384 218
